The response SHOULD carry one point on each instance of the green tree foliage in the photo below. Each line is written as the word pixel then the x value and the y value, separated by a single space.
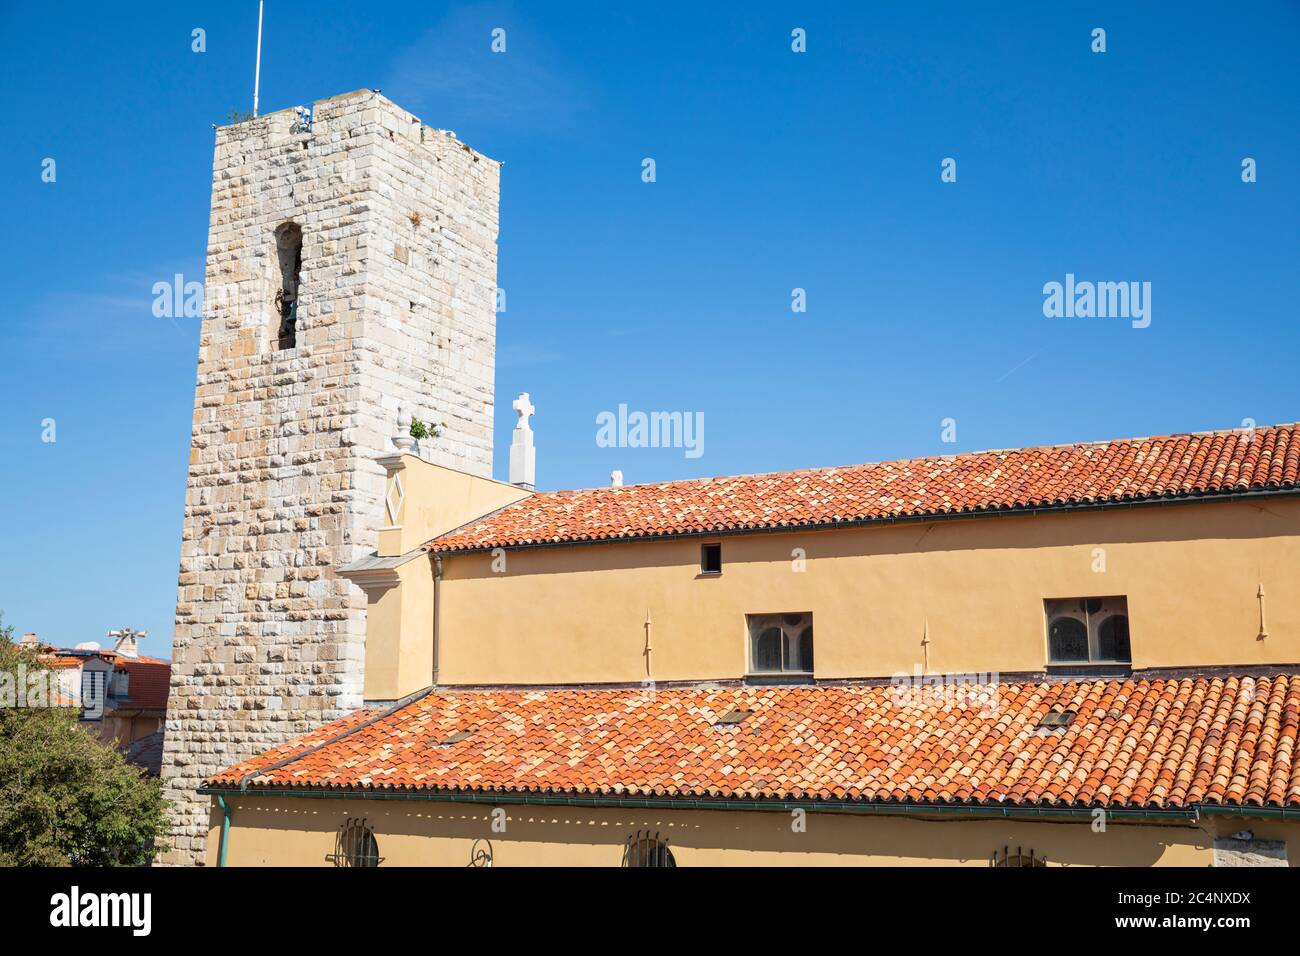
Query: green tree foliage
pixel 66 799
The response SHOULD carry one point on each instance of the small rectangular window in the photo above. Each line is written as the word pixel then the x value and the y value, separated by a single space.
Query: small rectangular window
pixel 781 644
pixel 1084 631
pixel 711 558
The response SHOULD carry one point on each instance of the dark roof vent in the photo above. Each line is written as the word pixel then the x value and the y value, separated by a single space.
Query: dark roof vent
pixel 731 718
pixel 457 737
pixel 1056 720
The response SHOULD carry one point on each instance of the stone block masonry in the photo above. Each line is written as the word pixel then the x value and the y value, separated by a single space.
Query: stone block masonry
pixel 395 305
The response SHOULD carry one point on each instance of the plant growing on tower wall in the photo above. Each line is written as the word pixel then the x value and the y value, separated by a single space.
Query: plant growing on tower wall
pixel 421 430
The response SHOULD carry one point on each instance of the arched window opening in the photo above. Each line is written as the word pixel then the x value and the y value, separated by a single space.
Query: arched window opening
pixel 355 845
pixel 644 848
pixel 781 645
pixel 1091 631
pixel 288 248
pixel 1008 859
pixel 767 650
pixel 1069 639
pixel 1112 639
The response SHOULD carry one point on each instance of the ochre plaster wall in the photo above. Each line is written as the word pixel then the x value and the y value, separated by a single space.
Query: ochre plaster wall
pixel 291 831
pixel 1191 574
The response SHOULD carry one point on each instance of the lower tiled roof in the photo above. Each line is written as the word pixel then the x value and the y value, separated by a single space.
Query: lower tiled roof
pixel 1133 743
pixel 147 753
pixel 1197 466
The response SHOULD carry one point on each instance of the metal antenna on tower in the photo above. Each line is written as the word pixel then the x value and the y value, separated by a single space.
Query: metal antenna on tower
pixel 257 72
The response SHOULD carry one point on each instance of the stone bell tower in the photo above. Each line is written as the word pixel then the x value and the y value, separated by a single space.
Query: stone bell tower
pixel 351 269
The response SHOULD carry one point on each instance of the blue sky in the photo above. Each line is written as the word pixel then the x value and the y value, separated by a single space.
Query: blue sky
pixel 775 170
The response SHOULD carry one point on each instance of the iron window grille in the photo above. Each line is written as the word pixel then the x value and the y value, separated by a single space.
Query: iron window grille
pixel 1019 858
pixel 480 854
pixel 355 845
pixel 644 848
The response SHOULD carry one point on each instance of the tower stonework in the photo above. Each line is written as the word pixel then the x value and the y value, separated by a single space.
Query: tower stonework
pixel 351 269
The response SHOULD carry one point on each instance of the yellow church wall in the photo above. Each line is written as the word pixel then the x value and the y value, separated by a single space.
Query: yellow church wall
pixel 397 667
pixel 436 499
pixel 429 500
pixel 289 831
pixel 1190 572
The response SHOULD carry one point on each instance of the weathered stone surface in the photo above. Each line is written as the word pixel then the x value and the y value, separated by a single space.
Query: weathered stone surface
pixel 396 306
pixel 1235 851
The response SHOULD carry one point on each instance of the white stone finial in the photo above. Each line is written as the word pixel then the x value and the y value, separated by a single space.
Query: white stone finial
pixel 403 441
pixel 616 479
pixel 523 456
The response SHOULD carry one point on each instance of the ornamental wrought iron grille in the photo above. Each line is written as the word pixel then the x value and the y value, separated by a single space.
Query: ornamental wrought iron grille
pixel 644 848
pixel 1019 858
pixel 480 854
pixel 355 845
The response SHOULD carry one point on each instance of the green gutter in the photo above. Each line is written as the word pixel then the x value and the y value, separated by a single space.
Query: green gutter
pixel 1190 814
pixel 1266 813
pixel 225 829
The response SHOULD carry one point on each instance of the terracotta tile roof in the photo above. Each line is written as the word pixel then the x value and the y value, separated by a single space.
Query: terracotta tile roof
pixel 148 683
pixel 1204 464
pixel 53 662
pixel 147 753
pixel 1134 743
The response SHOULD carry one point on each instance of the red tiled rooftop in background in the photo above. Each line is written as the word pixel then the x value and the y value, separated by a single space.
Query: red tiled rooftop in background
pixel 52 662
pixel 1135 743
pixel 148 683
pixel 1205 464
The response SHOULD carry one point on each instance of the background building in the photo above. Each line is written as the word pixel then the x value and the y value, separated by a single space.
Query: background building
pixel 120 696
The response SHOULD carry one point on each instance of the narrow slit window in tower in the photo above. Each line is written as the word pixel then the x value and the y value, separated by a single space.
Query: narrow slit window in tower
pixel 288 247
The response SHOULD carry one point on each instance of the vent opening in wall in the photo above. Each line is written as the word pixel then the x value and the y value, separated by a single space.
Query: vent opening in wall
pixel 288 248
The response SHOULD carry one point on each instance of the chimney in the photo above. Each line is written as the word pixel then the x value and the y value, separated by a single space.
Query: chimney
pixel 523 456
pixel 616 479
pixel 127 642
pixel 29 640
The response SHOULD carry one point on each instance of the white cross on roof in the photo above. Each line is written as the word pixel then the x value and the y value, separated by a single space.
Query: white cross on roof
pixel 524 408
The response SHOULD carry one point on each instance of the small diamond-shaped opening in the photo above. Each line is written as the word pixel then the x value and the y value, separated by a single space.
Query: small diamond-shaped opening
pixel 396 495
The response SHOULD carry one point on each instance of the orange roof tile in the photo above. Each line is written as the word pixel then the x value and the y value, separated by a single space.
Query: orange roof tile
pixel 53 662
pixel 148 682
pixel 1134 743
pixel 1176 466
